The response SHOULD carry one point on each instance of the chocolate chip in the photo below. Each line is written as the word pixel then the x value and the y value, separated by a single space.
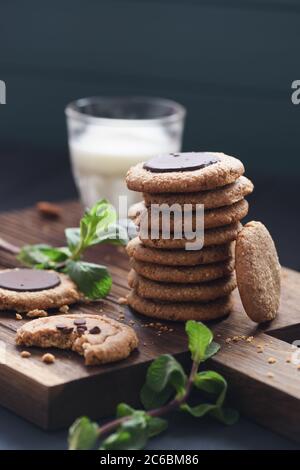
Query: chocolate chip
pixel 95 331
pixel 80 321
pixel 60 326
pixel 81 329
pixel 67 330
pixel 187 161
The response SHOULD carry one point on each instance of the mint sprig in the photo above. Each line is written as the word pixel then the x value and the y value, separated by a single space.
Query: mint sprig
pixel 167 388
pixel 97 226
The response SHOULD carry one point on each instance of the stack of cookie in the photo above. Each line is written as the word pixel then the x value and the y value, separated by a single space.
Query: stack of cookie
pixel 168 280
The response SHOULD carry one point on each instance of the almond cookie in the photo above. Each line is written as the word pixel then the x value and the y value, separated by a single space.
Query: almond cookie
pixel 177 311
pixel 184 172
pixel 258 272
pixel 98 338
pixel 219 197
pixel 23 290
pixel 175 292
pixel 212 236
pixel 183 274
pixel 209 254
pixel 212 217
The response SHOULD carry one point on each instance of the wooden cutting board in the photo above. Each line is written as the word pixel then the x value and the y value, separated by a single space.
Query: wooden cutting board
pixel 52 396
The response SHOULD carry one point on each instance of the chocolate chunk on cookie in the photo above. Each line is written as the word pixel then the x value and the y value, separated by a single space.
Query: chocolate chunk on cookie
pixel 212 236
pixel 183 274
pixel 209 254
pixel 219 217
pixel 219 197
pixel 176 292
pixel 224 170
pixel 183 311
pixel 42 291
pixel 258 272
pixel 103 340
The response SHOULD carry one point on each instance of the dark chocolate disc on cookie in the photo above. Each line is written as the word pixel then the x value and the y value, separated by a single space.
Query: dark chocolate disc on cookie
pixel 187 161
pixel 28 280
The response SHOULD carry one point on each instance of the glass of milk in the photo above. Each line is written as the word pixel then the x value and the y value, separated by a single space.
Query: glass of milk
pixel 107 135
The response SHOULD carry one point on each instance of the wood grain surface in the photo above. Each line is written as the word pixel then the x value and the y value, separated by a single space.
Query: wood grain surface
pixel 52 396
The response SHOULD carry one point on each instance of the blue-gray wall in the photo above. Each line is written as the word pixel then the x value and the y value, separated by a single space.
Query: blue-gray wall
pixel 231 63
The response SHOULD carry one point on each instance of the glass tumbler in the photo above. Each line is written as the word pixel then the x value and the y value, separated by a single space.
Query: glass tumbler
pixel 107 135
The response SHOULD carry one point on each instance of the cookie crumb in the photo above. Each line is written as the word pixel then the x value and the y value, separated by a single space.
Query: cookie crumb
pixel 48 358
pixel 298 367
pixel 25 354
pixel 228 340
pixel 64 308
pixel 288 360
pixel 19 316
pixel 272 360
pixel 122 301
pixel 270 375
pixel 37 313
pixel 250 339
pixel 235 338
pixel 48 209
pixel 259 348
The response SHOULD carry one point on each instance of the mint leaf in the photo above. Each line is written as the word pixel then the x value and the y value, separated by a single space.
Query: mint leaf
pixel 131 435
pixel 42 256
pixel 212 382
pixel 155 426
pixel 164 375
pixel 225 415
pixel 98 219
pixel 83 434
pixel 124 410
pixel 211 350
pixel 93 280
pixel 198 411
pixel 199 337
pixel 72 235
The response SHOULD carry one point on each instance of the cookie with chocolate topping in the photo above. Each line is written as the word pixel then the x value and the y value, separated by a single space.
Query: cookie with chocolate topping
pixel 184 172
pixel 102 339
pixel 23 290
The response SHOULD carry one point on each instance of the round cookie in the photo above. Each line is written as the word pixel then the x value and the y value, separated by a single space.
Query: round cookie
pixel 183 274
pixel 180 311
pixel 209 254
pixel 258 272
pixel 213 236
pixel 175 292
pixel 219 197
pixel 98 338
pixel 226 170
pixel 212 218
pixel 65 293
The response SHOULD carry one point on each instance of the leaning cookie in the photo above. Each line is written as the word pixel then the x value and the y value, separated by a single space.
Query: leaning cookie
pixel 212 236
pixel 258 272
pixel 180 311
pixel 214 170
pixel 209 254
pixel 63 292
pixel 218 197
pixel 183 274
pixel 212 217
pixel 176 292
pixel 98 338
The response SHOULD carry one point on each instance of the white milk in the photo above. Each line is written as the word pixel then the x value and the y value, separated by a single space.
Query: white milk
pixel 101 157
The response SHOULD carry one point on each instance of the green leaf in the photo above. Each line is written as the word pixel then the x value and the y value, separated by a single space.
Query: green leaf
pixel 98 219
pixel 73 237
pixel 212 382
pixel 93 280
pixel 164 375
pixel 42 256
pixel 199 337
pixel 198 411
pixel 155 426
pixel 225 415
pixel 131 435
pixel 83 434
pixel 211 350
pixel 124 410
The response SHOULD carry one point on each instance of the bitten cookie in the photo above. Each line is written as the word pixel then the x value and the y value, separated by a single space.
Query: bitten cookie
pixel 180 311
pixel 219 197
pixel 212 236
pixel 258 272
pixel 183 274
pixel 184 173
pixel 209 254
pixel 45 290
pixel 98 338
pixel 175 292
pixel 212 217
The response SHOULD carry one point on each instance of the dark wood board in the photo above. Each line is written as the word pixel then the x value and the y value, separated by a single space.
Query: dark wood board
pixel 52 396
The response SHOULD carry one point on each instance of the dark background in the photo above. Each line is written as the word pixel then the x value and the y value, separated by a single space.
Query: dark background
pixel 231 63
